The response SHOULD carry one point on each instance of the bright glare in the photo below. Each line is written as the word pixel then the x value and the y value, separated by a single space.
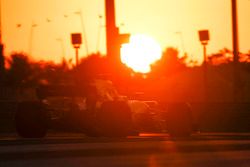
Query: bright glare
pixel 140 53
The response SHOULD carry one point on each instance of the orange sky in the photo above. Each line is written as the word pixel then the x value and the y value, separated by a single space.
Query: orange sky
pixel 160 19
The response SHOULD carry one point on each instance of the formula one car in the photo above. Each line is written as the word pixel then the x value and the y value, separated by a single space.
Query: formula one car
pixel 96 109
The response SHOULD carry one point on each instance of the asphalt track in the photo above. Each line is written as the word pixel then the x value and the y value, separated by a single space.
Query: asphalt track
pixel 153 150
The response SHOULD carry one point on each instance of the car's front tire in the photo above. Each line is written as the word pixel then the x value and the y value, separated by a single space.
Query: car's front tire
pixel 31 120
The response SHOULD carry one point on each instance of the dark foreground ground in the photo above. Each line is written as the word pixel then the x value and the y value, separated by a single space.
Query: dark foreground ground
pixel 203 149
pixel 151 150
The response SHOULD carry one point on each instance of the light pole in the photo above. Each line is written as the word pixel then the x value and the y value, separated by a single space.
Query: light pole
pixel 2 69
pixel 99 33
pixel 83 31
pixel 204 38
pixel 182 41
pixel 62 46
pixel 33 25
pixel 236 81
pixel 0 22
pixel 76 40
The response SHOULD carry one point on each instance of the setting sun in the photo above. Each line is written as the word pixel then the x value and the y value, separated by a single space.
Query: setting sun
pixel 140 53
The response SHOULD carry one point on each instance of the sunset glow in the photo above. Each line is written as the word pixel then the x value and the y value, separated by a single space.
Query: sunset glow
pixel 140 53
pixel 56 19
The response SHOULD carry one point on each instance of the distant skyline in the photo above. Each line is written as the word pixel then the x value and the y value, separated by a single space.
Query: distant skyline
pixel 173 23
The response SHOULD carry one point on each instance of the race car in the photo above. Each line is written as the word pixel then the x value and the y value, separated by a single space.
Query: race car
pixel 97 109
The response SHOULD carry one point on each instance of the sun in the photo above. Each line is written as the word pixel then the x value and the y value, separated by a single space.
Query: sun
pixel 140 53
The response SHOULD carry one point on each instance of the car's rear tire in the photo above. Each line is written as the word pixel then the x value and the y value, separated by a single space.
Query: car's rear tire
pixel 31 120
pixel 114 119
pixel 179 120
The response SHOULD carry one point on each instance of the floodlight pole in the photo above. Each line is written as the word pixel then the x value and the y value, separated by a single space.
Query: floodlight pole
pixel 2 68
pixel 76 49
pixel 205 71
pixel 76 40
pixel 182 41
pixel 1 22
pixel 62 46
pixel 235 51
pixel 84 33
pixel 204 38
pixel 31 39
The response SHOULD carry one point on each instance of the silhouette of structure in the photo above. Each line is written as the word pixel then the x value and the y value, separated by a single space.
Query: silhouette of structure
pixel 76 40
pixel 113 37
pixel 2 69
pixel 237 80
pixel 204 38
pixel 112 32
pixel 83 31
